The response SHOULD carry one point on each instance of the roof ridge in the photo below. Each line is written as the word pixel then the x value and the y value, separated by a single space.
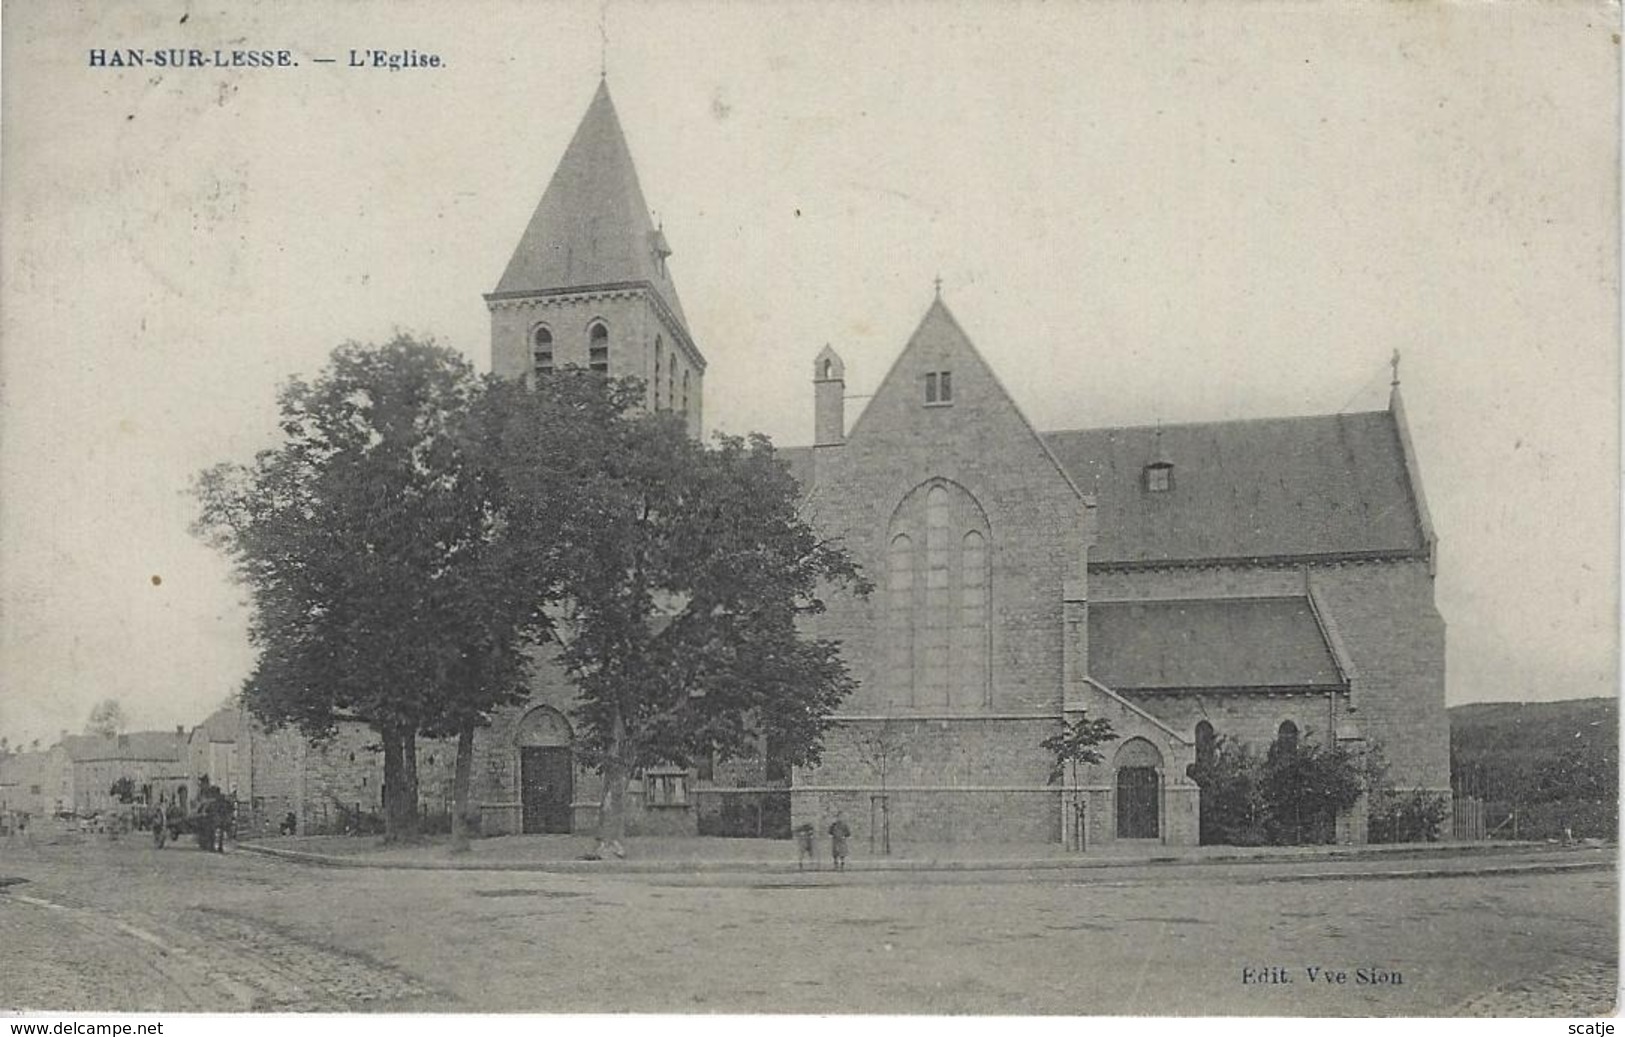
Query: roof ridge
pixel 1165 425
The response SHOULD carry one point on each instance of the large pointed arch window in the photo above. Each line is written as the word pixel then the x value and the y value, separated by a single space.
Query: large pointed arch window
pixel 938 619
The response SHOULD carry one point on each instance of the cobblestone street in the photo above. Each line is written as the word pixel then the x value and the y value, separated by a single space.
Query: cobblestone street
pixel 105 925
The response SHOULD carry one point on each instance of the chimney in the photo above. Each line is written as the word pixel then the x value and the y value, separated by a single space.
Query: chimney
pixel 829 405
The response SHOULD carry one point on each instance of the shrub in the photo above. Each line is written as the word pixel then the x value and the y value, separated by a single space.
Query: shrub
pixel 1407 817
pixel 1233 810
pixel 1305 785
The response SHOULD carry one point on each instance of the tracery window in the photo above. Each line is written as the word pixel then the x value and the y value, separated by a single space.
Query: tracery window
pixel 938 621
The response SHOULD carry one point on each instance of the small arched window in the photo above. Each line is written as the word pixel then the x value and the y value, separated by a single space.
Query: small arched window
pixel 598 348
pixel 671 383
pixel 1287 735
pixel 1205 743
pixel 685 392
pixel 542 350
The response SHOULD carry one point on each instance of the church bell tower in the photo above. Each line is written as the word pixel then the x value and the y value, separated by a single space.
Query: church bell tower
pixel 589 284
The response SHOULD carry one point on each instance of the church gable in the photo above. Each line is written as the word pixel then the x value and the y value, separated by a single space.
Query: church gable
pixel 970 528
pixel 941 407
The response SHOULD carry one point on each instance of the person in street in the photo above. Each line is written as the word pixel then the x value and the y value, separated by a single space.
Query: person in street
pixel 172 819
pixel 804 847
pixel 839 833
pixel 160 830
pixel 221 810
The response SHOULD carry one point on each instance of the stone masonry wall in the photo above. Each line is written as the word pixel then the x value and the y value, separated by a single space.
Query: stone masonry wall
pixel 633 326
pixel 961 780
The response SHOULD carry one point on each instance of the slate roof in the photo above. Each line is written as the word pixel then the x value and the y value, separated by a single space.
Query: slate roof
pixel 592 226
pixel 1324 485
pixel 1265 488
pixel 1230 643
pixel 137 745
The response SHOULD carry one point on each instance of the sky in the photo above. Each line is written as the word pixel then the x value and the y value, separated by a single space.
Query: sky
pixel 1139 213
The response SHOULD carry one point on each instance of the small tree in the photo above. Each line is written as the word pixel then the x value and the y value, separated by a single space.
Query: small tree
pixel 1075 744
pixel 878 750
pixel 106 720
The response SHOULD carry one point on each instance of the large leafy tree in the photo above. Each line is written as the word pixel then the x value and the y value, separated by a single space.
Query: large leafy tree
pixel 682 571
pixel 375 546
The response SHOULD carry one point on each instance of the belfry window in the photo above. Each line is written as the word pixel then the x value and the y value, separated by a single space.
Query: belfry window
pixel 939 387
pixel 542 351
pixel 598 348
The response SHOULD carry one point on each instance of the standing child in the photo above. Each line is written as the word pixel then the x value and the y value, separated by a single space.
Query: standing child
pixel 839 833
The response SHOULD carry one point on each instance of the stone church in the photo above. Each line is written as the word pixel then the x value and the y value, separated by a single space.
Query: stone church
pixel 1248 579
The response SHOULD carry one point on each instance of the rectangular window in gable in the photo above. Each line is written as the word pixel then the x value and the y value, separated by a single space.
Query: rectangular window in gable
pixel 939 387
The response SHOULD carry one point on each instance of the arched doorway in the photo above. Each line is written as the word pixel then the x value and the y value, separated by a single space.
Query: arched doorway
pixel 546 771
pixel 1139 786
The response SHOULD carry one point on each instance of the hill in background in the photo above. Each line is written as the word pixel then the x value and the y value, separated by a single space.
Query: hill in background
pixel 1539 767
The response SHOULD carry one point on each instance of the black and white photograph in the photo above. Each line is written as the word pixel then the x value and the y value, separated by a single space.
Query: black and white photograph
pixel 809 509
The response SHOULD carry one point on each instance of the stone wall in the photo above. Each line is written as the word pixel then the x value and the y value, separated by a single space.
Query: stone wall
pixel 633 323
pixel 948 780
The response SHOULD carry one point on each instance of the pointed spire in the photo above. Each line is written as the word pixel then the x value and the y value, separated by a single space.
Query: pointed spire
pixel 592 226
